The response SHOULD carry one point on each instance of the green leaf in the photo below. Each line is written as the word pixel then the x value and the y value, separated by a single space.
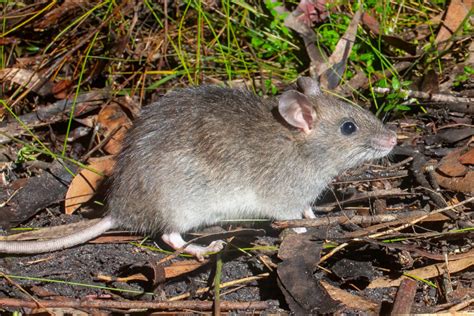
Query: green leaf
pixel 401 107
pixel 395 83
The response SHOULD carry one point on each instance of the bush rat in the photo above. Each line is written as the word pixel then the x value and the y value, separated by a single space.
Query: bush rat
pixel 205 154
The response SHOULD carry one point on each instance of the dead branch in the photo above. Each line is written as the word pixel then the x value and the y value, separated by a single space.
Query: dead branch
pixel 334 220
pixel 383 175
pixel 422 217
pixel 178 305
pixel 460 104
pixel 421 252
pixel 328 207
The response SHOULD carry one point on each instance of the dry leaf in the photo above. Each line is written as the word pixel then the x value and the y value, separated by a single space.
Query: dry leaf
pixel 52 18
pixel 392 40
pixel 112 119
pixel 350 300
pixel 467 158
pixel 27 78
pixel 457 12
pixel 332 71
pixel 130 104
pixel 457 184
pixel 450 165
pixel 425 272
pixel 312 11
pixel 62 89
pixel 84 185
pixel 182 267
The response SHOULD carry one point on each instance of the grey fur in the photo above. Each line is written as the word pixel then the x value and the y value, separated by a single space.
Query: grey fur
pixel 205 154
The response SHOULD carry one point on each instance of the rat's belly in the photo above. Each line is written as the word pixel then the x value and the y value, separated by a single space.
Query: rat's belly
pixel 238 204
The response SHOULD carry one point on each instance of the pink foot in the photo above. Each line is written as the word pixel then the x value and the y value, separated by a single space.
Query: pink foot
pixel 175 241
pixel 308 214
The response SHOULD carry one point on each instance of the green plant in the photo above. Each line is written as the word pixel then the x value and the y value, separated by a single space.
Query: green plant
pixel 272 38
pixel 464 77
pixel 394 100
pixel 27 153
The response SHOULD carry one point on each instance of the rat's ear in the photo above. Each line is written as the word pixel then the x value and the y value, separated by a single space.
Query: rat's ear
pixel 308 86
pixel 297 110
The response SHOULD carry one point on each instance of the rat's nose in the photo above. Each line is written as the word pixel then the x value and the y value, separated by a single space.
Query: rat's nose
pixel 385 141
pixel 392 139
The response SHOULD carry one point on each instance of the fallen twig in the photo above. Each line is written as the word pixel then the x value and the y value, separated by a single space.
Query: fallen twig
pixel 178 305
pixel 459 306
pixel 333 220
pixel 423 253
pixel 436 97
pixel 461 104
pixel 396 229
pixel 329 207
pixel 426 272
pixel 382 175
pixel 419 219
pixel 222 285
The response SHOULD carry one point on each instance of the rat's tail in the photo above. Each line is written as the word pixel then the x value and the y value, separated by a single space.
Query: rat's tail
pixel 42 246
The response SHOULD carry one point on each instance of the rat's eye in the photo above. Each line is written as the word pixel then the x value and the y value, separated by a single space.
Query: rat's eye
pixel 348 128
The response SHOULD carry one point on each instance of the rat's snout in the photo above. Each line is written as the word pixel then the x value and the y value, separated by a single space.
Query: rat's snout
pixel 385 141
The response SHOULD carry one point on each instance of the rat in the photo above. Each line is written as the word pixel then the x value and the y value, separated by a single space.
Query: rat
pixel 205 154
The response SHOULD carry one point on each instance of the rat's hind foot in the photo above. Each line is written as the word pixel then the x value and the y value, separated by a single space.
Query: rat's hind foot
pixel 175 241
pixel 308 214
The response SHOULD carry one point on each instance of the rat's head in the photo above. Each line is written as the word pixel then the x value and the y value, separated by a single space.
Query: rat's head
pixel 333 130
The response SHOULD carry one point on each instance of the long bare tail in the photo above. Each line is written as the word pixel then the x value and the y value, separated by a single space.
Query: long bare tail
pixel 42 246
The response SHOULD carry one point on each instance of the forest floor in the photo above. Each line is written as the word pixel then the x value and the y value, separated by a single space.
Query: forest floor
pixel 392 236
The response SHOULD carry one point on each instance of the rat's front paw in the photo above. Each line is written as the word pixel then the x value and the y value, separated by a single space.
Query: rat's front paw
pixel 299 230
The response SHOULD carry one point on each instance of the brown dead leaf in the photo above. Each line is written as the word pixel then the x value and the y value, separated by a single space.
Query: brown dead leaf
pixel 332 71
pixel 457 12
pixel 303 292
pixel 9 40
pixel 149 272
pixel 467 158
pixel 371 22
pixel 392 40
pixel 453 175
pixel 350 300
pixel 28 79
pixel 62 88
pixel 52 17
pixel 430 82
pixel 84 185
pixel 450 165
pixel 425 272
pixel 112 119
pixel 131 105
pixel 310 12
pixel 457 184
pixel 182 267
